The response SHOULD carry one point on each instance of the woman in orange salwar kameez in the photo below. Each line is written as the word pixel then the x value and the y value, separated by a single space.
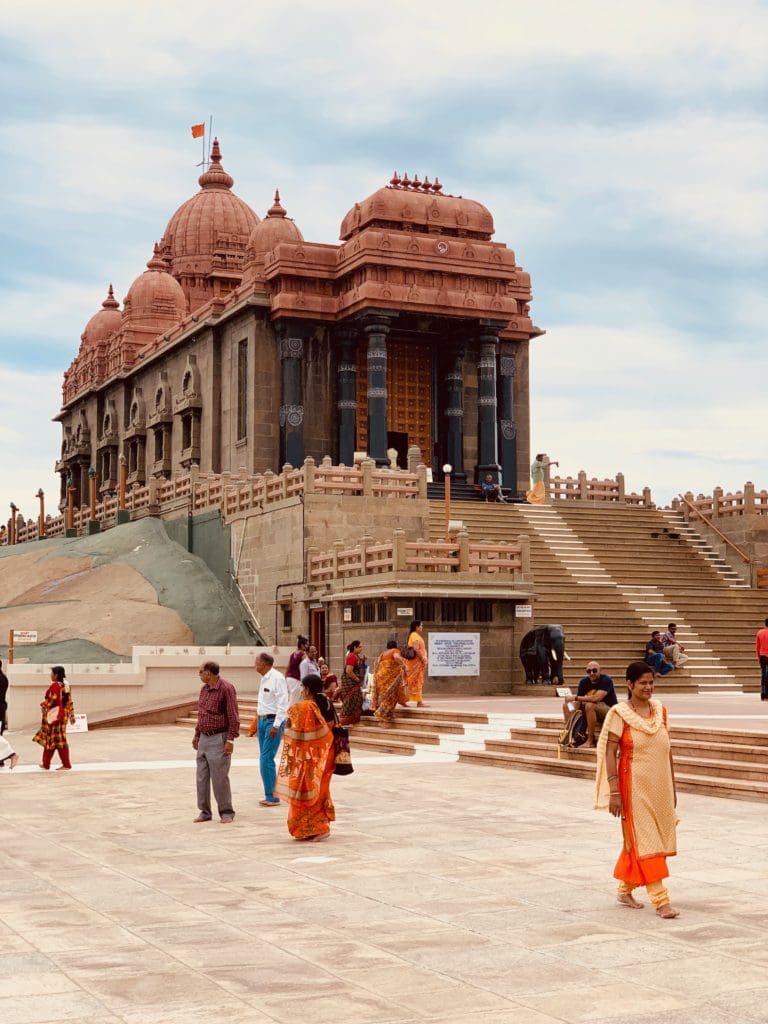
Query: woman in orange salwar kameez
pixel 636 782
pixel 416 667
pixel 307 763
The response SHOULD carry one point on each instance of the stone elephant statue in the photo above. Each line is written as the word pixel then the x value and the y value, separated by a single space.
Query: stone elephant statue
pixel 542 652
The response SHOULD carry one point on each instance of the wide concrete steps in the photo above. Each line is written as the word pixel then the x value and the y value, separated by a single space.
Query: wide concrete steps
pixel 709 761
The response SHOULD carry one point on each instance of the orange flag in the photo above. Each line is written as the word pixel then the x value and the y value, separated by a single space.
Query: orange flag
pixel 198 131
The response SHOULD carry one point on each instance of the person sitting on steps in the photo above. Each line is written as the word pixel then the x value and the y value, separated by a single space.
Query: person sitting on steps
pixel 595 695
pixel 490 490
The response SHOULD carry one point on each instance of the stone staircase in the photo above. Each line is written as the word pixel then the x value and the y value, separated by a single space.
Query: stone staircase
pixel 609 574
pixel 714 762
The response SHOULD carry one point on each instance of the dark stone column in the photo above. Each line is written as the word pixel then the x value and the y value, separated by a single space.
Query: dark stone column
pixel 377 330
pixel 291 395
pixel 487 429
pixel 454 412
pixel 346 390
pixel 507 426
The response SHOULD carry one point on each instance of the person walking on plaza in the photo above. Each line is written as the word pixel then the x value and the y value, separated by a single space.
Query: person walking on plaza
pixel 3 700
pixel 293 672
pixel 269 723
pixel 352 684
pixel 416 666
pixel 388 683
pixel 595 695
pixel 7 753
pixel 538 492
pixel 761 647
pixel 636 782
pixel 57 711
pixel 307 764
pixel 218 726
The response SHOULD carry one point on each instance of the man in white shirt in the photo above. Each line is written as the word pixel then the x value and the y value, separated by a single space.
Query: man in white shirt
pixel 269 723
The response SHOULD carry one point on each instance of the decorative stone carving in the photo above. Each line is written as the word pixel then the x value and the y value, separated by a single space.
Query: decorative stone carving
pixel 292 415
pixel 508 429
pixel 291 348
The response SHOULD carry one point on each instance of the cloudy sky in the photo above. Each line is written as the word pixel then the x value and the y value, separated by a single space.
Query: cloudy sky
pixel 621 147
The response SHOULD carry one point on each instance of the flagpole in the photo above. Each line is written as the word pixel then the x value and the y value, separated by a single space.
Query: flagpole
pixel 203 160
pixel 210 128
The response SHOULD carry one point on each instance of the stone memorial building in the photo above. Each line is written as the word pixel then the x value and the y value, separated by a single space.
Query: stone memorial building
pixel 243 347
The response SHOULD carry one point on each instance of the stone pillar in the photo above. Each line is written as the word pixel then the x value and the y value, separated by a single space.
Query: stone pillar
pixel 487 429
pixel 291 395
pixel 454 413
pixel 507 425
pixel 377 330
pixel 346 390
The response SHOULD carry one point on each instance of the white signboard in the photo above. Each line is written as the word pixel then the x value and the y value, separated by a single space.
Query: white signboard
pixel 454 654
pixel 523 611
pixel 405 613
pixel 25 636
pixel 347 615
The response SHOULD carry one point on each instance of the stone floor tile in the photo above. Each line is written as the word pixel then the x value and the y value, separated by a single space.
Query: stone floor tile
pixel 581 1003
pixel 747 1005
pixel 699 976
pixel 60 1006
pixel 347 1003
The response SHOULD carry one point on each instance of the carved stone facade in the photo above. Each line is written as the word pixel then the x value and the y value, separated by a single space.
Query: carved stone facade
pixel 243 346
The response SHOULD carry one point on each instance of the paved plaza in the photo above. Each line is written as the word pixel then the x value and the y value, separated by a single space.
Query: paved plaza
pixel 447 893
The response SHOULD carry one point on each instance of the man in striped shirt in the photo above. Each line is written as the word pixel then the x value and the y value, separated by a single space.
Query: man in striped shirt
pixel 218 726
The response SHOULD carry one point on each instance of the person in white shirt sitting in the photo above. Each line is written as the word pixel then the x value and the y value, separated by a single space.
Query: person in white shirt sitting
pixel 269 723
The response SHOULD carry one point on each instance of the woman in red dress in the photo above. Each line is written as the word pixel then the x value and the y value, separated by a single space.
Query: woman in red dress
pixel 58 709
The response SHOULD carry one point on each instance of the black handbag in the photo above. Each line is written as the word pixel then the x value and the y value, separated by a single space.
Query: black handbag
pixel 341 751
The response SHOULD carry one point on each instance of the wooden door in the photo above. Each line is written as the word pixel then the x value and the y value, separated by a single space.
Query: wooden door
pixel 409 394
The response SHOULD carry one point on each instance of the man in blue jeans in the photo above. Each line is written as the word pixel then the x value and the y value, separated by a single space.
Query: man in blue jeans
pixel 269 723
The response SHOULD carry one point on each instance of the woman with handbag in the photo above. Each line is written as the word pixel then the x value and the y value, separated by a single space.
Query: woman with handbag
pixel 352 685
pixel 58 709
pixel 307 763
pixel 416 661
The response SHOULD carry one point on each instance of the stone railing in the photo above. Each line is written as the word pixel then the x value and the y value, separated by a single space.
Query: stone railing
pixel 420 556
pixel 582 488
pixel 721 505
pixel 232 493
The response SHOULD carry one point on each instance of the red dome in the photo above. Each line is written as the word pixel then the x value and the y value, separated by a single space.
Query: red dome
pixel 102 324
pixel 213 216
pixel 155 299
pixel 418 206
pixel 276 227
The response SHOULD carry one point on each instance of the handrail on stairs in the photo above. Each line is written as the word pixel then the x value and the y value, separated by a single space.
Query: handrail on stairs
pixel 744 557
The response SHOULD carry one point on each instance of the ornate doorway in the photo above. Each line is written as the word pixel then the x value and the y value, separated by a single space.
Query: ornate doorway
pixel 409 395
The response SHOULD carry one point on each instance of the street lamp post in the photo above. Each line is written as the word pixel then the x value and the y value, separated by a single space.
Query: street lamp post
pixel 447 470
pixel 93 523
pixel 41 520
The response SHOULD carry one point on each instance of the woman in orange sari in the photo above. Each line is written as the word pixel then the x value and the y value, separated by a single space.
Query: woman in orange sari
pixel 307 763
pixel 389 683
pixel 416 667
pixel 636 782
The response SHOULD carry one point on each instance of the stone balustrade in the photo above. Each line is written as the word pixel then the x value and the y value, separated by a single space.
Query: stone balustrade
pixel 238 493
pixel 722 505
pixel 420 556
pixel 583 488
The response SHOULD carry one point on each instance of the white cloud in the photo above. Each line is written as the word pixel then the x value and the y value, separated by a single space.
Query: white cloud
pixel 700 180
pixel 364 53
pixel 29 441
pixel 613 398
